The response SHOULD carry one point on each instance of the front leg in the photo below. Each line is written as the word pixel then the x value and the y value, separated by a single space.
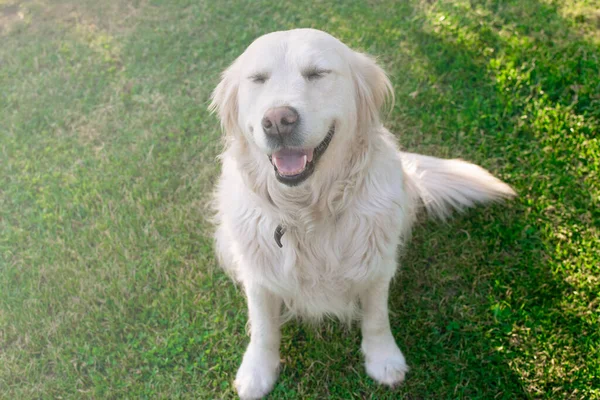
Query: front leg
pixel 257 374
pixel 383 359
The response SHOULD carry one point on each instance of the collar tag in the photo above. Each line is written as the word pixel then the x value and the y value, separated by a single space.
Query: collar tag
pixel 279 231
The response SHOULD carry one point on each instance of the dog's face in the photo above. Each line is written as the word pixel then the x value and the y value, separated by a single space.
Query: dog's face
pixel 297 94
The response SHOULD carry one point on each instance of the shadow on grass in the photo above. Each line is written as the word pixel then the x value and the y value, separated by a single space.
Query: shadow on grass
pixel 502 316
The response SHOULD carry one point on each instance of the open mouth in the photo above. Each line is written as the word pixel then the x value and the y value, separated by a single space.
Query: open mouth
pixel 293 166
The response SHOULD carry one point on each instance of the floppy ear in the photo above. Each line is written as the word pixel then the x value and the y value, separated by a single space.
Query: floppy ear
pixel 224 101
pixel 373 89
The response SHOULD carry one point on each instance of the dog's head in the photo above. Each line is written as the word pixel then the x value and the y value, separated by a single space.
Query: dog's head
pixel 297 94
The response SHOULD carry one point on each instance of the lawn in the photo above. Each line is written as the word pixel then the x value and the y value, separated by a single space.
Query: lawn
pixel 108 283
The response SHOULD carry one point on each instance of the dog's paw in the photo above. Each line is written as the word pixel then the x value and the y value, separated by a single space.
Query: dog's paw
pixel 257 374
pixel 385 364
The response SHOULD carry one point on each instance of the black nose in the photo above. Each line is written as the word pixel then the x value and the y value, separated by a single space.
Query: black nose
pixel 280 121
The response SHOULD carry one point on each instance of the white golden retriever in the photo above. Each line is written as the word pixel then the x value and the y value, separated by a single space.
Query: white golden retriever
pixel 315 198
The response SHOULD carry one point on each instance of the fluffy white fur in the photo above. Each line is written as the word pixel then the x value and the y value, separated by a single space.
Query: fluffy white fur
pixel 345 223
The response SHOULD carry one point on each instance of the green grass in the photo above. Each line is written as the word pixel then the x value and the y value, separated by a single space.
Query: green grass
pixel 108 283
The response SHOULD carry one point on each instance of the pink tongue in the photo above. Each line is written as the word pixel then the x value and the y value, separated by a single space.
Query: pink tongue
pixel 291 161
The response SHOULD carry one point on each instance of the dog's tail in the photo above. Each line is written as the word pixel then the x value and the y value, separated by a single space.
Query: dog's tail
pixel 447 185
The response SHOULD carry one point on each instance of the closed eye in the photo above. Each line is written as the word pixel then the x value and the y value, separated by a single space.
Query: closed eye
pixel 312 74
pixel 260 77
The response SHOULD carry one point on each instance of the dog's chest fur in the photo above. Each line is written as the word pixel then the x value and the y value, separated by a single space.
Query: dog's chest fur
pixel 327 256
